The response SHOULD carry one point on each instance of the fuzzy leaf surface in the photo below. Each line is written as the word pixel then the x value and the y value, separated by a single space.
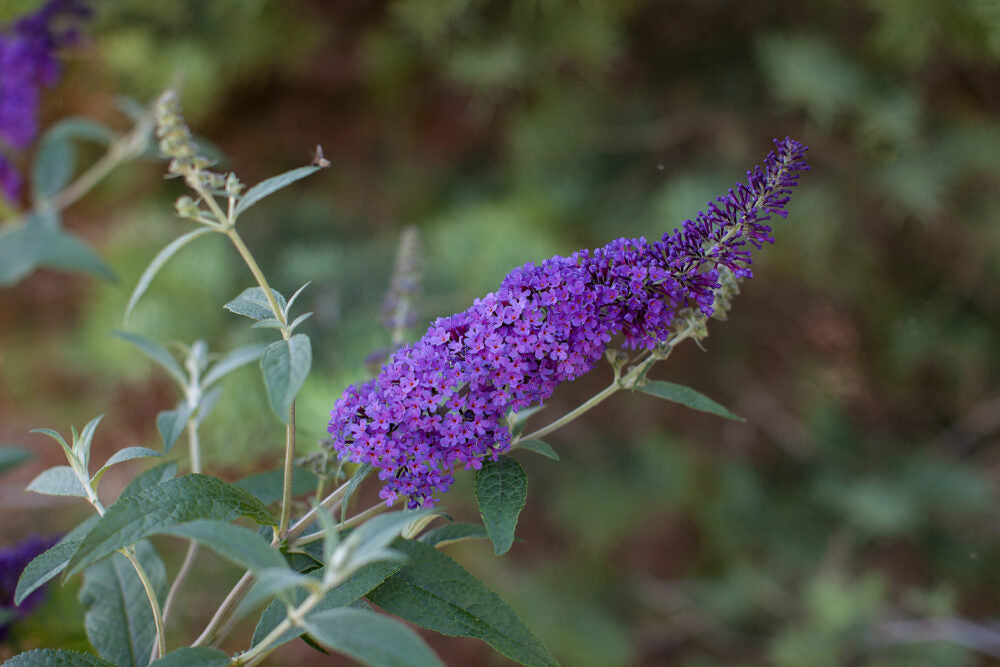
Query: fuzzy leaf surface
pixel 235 543
pixel 678 393
pixel 118 618
pixel 252 302
pixel 501 490
pixel 373 639
pixel 285 365
pixel 435 592
pixel 50 657
pixel 271 185
pixel 162 507
pixel 201 656
pixel 58 481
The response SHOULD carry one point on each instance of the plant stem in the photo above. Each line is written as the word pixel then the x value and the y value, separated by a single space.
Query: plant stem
pixel 192 550
pixel 225 610
pixel 286 491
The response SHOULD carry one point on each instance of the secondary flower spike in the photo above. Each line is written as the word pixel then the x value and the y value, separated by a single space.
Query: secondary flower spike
pixel 443 400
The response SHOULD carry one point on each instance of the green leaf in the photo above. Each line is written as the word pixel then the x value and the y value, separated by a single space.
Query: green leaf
pixel 519 419
pixel 358 584
pixel 501 489
pixel 367 543
pixel 291 300
pixel 171 423
pixel 157 353
pixel 356 479
pixel 282 582
pixel 285 365
pixel 538 447
pixel 81 446
pixel 269 486
pixel 235 543
pixel 58 481
pixel 227 364
pixel 44 567
pixel 150 478
pixel 201 656
pixel 53 168
pixel 121 456
pixel 154 267
pixel 206 404
pixel 253 303
pixel 51 562
pixel 50 657
pixel 11 457
pixel 371 638
pixel 272 185
pixel 678 393
pixel 161 507
pixel 118 618
pixel 299 320
pixel 453 532
pixel 55 435
pixel 435 592
pixel 41 243
pixel 78 127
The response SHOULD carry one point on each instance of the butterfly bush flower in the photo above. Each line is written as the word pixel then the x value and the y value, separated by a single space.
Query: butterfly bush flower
pixel 28 63
pixel 443 400
pixel 13 560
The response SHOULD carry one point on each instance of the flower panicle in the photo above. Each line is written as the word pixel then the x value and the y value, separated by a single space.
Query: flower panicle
pixel 442 401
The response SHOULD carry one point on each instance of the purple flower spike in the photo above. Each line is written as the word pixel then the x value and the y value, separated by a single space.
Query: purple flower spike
pixel 27 63
pixel 443 400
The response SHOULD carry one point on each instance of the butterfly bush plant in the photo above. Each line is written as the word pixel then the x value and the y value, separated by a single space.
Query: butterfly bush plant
pixel 456 399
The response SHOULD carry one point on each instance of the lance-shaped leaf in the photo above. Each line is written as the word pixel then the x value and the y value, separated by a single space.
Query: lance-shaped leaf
pixel 371 638
pixel 538 447
pixel 285 365
pixel 58 481
pixel 435 592
pixel 678 393
pixel 252 302
pixel 501 490
pixel 453 532
pixel 11 457
pixel 157 353
pixel 235 543
pixel 41 243
pixel 357 585
pixel 50 657
pixel 82 444
pixel 272 185
pixel 154 267
pixel 161 507
pixel 171 423
pixel 51 562
pixel 227 364
pixel 118 618
pixel 122 455
pixel 201 656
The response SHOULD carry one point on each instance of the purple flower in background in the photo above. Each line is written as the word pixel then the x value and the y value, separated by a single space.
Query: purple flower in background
pixel 27 63
pixel 13 560
pixel 443 400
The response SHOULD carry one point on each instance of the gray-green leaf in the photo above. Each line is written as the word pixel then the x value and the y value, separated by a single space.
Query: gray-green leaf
pixel 285 365
pixel 157 353
pixel 53 167
pixel 121 456
pixel 453 532
pixel 171 423
pixel 161 507
pixel 154 267
pixel 152 477
pixel 11 457
pixel 252 302
pixel 227 364
pixel 371 638
pixel 358 584
pixel 678 393
pixel 435 592
pixel 58 481
pixel 44 567
pixel 118 619
pixel 272 185
pixel 501 490
pixel 268 486
pixel 201 656
pixel 41 243
pixel 235 543
pixel 538 447
pixel 50 657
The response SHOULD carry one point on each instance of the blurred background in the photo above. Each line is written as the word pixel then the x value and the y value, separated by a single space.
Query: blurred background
pixel 852 520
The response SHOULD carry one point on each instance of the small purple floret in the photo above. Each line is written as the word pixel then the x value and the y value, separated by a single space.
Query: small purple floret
pixel 443 400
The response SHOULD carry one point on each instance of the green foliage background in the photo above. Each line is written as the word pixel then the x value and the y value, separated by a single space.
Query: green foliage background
pixel 856 507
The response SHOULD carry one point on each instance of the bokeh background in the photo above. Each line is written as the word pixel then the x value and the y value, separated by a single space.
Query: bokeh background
pixel 852 520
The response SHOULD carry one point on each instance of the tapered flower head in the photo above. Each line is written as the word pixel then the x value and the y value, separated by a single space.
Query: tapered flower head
pixel 443 401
